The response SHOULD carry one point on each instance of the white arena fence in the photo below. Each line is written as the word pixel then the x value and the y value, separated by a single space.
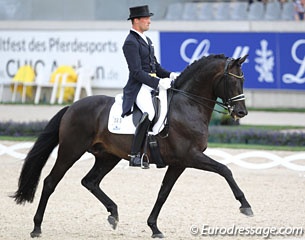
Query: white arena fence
pixel 265 159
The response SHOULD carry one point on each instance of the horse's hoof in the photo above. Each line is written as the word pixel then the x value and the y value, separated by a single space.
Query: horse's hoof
pixel 247 211
pixel 158 235
pixel 113 222
pixel 35 234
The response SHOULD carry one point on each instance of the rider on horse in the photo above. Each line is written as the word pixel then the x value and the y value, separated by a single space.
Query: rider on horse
pixel 145 75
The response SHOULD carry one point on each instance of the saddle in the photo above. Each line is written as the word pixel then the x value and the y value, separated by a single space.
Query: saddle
pixel 127 125
pixel 137 113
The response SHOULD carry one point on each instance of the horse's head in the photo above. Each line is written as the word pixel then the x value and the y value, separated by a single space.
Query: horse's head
pixel 230 88
pixel 211 77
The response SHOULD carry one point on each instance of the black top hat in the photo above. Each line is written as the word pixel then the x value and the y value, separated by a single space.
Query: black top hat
pixel 140 11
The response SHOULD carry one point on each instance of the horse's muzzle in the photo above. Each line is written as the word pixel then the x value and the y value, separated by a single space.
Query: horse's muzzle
pixel 238 112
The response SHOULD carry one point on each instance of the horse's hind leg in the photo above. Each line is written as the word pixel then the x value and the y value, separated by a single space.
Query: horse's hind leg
pixel 63 163
pixel 91 181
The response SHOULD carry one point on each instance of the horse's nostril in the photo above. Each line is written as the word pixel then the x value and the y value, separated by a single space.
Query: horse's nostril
pixel 242 113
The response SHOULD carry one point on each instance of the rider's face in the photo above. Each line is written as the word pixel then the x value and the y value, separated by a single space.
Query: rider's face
pixel 142 24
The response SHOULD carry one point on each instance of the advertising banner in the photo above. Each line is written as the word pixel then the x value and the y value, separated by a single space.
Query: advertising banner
pixel 276 60
pixel 47 50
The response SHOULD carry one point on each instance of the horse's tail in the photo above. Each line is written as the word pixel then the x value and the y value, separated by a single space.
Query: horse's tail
pixel 37 158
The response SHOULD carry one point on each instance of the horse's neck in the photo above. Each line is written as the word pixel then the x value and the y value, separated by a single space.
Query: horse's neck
pixel 194 108
pixel 201 95
pixel 198 82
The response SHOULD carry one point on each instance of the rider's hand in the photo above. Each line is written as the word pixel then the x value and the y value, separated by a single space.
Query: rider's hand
pixel 173 76
pixel 165 83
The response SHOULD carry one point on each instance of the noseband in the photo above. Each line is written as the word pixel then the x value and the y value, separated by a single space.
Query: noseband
pixel 227 103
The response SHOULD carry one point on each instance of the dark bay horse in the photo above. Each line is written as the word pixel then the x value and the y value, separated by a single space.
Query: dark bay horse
pixel 82 127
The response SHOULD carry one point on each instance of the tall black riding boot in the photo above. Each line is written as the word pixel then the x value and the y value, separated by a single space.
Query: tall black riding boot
pixel 141 132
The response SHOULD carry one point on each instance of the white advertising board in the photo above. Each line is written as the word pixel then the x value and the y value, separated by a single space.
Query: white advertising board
pixel 47 50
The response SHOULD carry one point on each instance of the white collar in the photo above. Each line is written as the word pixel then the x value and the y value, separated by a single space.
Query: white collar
pixel 142 35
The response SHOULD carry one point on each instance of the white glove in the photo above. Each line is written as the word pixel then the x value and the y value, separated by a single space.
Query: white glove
pixel 165 83
pixel 173 76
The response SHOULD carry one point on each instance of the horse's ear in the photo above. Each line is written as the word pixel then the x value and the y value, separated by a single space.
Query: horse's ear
pixel 243 59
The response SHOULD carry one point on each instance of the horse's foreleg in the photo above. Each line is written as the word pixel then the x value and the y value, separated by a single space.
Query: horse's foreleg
pixel 171 176
pixel 92 181
pixel 203 162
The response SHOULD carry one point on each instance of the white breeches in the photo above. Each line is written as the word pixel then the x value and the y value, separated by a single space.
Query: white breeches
pixel 144 101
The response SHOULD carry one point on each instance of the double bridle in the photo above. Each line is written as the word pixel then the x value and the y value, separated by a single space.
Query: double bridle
pixel 227 103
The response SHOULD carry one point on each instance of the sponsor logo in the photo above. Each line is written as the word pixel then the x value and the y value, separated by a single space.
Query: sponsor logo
pixel 201 48
pixel 299 77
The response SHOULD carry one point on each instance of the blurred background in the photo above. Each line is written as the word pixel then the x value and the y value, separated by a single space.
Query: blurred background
pixel 96 10
pixel 59 51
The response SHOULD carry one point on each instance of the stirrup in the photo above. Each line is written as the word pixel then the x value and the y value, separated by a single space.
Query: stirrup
pixel 144 161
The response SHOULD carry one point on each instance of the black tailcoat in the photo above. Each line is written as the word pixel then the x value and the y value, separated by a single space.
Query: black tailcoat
pixel 141 61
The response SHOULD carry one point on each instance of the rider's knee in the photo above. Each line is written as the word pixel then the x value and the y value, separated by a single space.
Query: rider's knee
pixel 151 115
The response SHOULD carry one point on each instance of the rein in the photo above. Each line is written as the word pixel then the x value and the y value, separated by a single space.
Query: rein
pixel 200 100
pixel 227 103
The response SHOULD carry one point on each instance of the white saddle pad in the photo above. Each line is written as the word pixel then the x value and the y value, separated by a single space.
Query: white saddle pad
pixel 119 125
